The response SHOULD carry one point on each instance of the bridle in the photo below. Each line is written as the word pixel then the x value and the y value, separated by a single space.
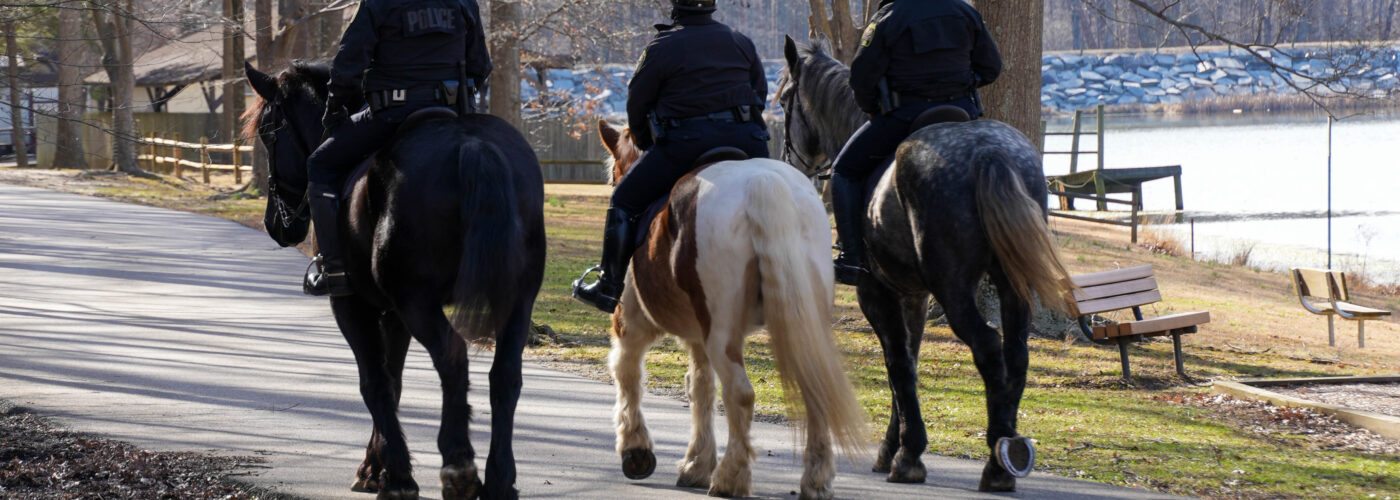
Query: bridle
pixel 790 105
pixel 269 137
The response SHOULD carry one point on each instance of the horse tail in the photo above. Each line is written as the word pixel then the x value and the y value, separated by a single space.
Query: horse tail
pixel 797 310
pixel 1017 229
pixel 493 242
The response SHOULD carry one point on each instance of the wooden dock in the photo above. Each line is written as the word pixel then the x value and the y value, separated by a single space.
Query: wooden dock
pixel 1103 181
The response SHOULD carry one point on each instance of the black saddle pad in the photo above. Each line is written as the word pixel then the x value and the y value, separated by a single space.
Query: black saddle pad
pixel 711 157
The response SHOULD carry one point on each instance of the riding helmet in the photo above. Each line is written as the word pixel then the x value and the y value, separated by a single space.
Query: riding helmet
pixel 693 6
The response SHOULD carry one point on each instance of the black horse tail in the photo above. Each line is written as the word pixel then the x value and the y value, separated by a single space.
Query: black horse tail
pixel 493 242
pixel 1018 232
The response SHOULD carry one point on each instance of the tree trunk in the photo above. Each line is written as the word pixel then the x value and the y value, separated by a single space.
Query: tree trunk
pixel 16 105
pixel 68 152
pixel 1016 25
pixel 114 32
pixel 842 31
pixel 233 70
pixel 292 39
pixel 504 83
pixel 266 62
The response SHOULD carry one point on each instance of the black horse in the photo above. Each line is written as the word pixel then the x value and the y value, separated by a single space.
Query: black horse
pixel 961 201
pixel 449 215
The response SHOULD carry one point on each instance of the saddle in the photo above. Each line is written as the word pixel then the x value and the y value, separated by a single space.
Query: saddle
pixel 946 113
pixel 711 157
pixel 414 119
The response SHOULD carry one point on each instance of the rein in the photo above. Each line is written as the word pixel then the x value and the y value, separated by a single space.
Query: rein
pixel 286 214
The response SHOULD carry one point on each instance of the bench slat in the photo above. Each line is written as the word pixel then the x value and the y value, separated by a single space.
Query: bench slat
pixel 1105 331
pixel 1357 310
pixel 1114 276
pixel 1118 302
pixel 1313 282
pixel 1112 289
pixel 1163 324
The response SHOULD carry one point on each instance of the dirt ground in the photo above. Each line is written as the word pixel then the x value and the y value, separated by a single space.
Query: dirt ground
pixel 39 459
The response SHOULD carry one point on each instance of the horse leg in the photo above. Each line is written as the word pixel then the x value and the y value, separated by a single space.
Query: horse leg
pixel 630 342
pixel 915 314
pixel 885 309
pixel 425 320
pixel 1015 324
pixel 396 342
pixel 734 476
pixel 506 381
pixel 959 301
pixel 700 456
pixel 359 323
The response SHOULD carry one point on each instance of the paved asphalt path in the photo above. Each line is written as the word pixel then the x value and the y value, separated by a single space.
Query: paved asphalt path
pixel 176 331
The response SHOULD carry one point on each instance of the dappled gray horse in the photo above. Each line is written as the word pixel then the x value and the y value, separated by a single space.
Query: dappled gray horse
pixel 962 200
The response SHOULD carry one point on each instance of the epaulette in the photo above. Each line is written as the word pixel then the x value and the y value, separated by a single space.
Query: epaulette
pixel 663 27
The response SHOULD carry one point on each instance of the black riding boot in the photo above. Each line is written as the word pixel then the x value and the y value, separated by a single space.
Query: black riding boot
pixel 849 210
pixel 617 252
pixel 326 274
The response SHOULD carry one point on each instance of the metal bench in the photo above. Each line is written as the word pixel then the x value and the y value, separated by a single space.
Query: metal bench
pixel 1330 289
pixel 1131 287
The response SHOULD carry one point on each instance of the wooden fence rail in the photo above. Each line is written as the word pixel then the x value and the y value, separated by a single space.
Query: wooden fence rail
pixel 160 151
pixel 1132 218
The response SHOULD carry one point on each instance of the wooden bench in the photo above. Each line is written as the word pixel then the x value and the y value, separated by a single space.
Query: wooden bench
pixel 1330 287
pixel 1131 287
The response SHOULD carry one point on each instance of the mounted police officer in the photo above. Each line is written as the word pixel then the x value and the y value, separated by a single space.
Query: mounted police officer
pixel 698 86
pixel 401 56
pixel 914 55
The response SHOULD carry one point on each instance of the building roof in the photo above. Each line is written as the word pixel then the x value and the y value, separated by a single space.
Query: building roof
pixel 196 57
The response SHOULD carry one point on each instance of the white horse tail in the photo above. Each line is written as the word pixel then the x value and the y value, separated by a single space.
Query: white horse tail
pixel 797 309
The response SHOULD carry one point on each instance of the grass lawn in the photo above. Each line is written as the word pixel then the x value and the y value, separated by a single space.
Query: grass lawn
pixel 1088 423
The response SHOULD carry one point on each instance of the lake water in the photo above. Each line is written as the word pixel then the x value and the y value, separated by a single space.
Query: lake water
pixel 1261 181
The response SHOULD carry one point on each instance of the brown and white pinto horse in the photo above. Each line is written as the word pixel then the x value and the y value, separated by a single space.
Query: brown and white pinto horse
pixel 740 245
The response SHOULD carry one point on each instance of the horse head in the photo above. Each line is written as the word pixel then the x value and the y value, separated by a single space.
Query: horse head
pixel 621 147
pixel 285 117
pixel 819 107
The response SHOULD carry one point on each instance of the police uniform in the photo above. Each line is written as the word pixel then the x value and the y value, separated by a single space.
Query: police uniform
pixel 399 55
pixel 914 55
pixel 703 84
pixel 699 85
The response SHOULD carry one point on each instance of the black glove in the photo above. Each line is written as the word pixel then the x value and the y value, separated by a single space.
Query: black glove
pixel 337 101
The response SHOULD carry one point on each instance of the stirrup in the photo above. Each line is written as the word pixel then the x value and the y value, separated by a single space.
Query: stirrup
pixel 318 283
pixel 590 294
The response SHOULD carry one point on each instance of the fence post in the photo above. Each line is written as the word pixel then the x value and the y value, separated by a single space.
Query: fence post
pixel 204 158
pixel 1137 200
pixel 151 148
pixel 1074 143
pixel 237 168
pixel 178 155
pixel 1099 146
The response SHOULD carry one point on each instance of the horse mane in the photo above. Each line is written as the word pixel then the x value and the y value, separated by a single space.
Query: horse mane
pixel 826 90
pixel 309 77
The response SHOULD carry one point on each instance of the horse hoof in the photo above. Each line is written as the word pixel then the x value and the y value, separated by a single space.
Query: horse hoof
pixel 638 463
pixel 812 494
pixel 693 477
pixel 365 485
pixel 996 479
pixel 403 494
pixel 1016 454
pixel 460 482
pixel 884 458
pixel 908 472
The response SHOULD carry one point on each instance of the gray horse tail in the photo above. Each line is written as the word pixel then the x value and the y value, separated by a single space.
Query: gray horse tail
pixel 1017 229
pixel 493 242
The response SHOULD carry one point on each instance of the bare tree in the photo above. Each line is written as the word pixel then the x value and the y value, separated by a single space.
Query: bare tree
pixel 113 20
pixel 504 84
pixel 1016 25
pixel 233 69
pixel 835 21
pixel 72 95
pixel 17 132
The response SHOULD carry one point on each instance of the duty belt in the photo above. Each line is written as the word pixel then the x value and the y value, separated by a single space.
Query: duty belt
pixel 741 114
pixel 906 100
pixel 381 99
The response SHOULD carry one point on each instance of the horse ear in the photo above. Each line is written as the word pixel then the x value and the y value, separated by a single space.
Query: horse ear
pixel 790 51
pixel 263 84
pixel 610 135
